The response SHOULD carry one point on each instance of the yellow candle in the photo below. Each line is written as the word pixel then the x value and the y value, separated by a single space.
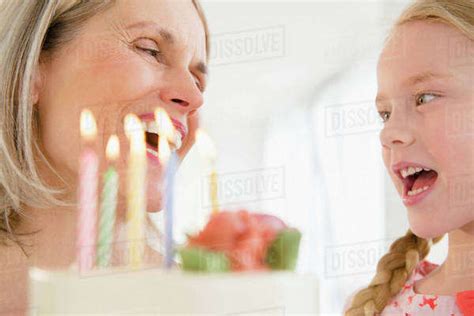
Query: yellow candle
pixel 136 190
pixel 208 151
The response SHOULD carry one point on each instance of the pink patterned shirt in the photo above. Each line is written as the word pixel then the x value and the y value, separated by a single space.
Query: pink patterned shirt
pixel 409 303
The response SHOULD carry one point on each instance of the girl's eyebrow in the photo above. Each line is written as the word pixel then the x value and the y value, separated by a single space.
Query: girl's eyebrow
pixel 425 76
pixel 380 99
pixel 414 80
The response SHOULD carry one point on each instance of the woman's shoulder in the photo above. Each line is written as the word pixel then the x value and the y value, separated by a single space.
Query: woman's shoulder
pixel 12 257
pixel 13 280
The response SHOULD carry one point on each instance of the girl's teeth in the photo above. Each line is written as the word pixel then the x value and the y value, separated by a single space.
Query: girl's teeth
pixel 418 191
pixel 411 171
pixel 404 173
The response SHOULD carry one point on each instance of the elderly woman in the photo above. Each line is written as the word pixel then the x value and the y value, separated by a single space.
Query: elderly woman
pixel 58 57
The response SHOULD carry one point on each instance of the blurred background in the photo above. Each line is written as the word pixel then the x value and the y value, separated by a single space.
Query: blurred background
pixel 290 107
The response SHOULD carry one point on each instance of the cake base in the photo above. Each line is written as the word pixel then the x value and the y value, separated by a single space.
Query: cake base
pixel 156 291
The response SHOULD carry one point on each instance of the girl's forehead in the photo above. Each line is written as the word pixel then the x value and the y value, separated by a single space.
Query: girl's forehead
pixel 421 47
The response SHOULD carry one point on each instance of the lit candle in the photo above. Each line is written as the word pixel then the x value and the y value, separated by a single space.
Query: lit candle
pixel 169 161
pixel 88 185
pixel 108 204
pixel 136 190
pixel 208 151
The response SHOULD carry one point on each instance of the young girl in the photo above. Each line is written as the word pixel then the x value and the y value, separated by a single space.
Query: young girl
pixel 425 98
pixel 58 57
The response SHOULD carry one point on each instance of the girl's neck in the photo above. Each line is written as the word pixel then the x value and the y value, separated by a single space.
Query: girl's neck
pixel 456 274
pixel 459 263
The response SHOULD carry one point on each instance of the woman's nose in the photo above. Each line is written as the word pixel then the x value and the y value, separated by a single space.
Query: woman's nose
pixel 397 131
pixel 179 89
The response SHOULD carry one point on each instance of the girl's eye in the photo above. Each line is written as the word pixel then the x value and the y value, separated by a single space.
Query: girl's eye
pixel 424 98
pixel 385 115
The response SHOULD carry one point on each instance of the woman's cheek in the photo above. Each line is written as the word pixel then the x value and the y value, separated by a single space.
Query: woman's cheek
pixel 122 81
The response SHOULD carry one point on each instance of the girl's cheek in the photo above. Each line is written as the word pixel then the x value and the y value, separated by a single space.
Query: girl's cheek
pixel 451 147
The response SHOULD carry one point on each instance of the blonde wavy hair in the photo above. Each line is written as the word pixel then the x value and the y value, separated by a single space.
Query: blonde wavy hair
pixel 28 28
pixel 405 253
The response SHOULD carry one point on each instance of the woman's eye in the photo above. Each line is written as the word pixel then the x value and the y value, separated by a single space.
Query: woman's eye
pixel 151 52
pixel 149 47
pixel 199 85
pixel 424 98
pixel 385 115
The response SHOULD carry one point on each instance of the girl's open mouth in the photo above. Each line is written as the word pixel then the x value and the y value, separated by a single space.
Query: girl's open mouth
pixel 418 181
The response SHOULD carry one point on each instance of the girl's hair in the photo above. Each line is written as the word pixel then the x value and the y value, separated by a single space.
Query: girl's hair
pixel 28 28
pixel 405 253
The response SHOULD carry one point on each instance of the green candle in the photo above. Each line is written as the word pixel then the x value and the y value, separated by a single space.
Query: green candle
pixel 108 206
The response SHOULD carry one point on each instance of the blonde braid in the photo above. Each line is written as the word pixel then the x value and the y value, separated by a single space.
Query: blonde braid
pixel 393 270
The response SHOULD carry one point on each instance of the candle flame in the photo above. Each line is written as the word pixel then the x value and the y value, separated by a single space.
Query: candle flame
pixel 164 150
pixel 88 125
pixel 165 125
pixel 113 148
pixel 132 125
pixel 134 131
pixel 205 145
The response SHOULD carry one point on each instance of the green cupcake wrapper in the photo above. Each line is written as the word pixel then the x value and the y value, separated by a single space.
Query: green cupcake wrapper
pixel 282 254
pixel 202 260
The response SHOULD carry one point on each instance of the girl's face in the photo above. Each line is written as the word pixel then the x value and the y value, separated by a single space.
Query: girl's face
pixel 132 58
pixel 425 79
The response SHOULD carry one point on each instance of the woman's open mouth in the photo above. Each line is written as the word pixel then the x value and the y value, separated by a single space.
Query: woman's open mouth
pixel 152 139
pixel 418 181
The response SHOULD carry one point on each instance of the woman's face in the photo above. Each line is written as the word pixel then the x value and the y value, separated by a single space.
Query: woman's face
pixel 132 58
pixel 425 79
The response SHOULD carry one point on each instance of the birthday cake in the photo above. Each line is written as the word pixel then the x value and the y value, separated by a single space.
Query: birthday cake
pixel 239 264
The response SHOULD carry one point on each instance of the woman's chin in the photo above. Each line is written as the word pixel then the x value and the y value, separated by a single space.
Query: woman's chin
pixel 154 181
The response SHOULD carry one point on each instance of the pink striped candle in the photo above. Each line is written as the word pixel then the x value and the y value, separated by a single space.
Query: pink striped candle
pixel 88 186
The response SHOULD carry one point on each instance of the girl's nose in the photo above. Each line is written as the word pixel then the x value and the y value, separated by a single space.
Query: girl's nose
pixel 179 89
pixel 397 131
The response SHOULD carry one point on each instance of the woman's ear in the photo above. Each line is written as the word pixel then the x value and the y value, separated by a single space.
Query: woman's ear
pixel 36 83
